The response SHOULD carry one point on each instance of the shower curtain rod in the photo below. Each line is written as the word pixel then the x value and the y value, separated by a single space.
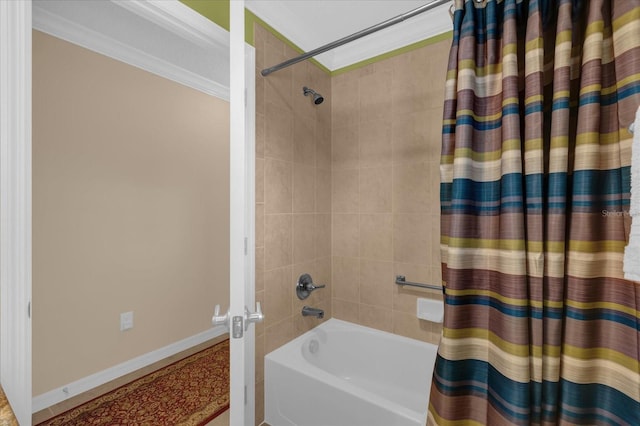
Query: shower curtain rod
pixel 389 22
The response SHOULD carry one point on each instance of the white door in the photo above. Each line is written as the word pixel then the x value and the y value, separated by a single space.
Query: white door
pixel 242 222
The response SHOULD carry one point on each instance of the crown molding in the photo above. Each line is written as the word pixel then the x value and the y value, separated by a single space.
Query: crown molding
pixel 424 26
pixel 183 21
pixel 166 38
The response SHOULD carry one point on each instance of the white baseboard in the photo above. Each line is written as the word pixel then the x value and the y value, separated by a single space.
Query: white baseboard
pixel 55 396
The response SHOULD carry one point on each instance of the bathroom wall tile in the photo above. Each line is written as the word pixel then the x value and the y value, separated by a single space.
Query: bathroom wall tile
pixel 346 278
pixel 409 325
pixel 277 295
pixel 306 267
pixel 436 334
pixel 278 334
pixel 437 69
pixel 304 188
pixel 260 135
pixel 299 269
pixel 279 85
pixel 278 241
pixel 375 102
pixel 260 403
pixel 294 198
pixel 260 325
pixel 436 273
pixel 323 276
pixel 278 132
pixel 278 189
pixel 375 190
pixel 302 324
pixel 345 191
pixel 272 45
pixel 384 66
pixel 412 238
pixel 304 246
pixel 408 94
pixel 323 191
pixel 375 143
pixel 409 135
pixel 404 297
pixel 322 237
pixel 259 265
pixel 417 272
pixel 345 147
pixel 260 92
pixel 302 105
pixel 345 235
pixel 376 236
pixel 326 306
pixel 259 358
pixel 434 239
pixel 408 91
pixel 259 225
pixel 345 310
pixel 376 283
pixel 304 141
pixel 434 181
pixel 433 131
pixel 375 317
pixel 411 188
pixel 345 100
pixel 259 180
pixel 321 81
pixel 323 144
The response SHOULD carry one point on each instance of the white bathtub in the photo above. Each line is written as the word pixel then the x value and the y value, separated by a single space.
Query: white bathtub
pixel 343 374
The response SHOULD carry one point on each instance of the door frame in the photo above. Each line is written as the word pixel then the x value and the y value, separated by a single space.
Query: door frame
pixel 15 206
pixel 242 215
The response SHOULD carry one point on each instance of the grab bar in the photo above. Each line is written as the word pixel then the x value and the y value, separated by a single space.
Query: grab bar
pixel 401 280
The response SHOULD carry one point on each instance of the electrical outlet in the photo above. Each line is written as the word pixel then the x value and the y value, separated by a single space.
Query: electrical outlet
pixel 126 321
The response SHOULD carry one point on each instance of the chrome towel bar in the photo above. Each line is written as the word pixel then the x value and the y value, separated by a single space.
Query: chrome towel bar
pixel 401 280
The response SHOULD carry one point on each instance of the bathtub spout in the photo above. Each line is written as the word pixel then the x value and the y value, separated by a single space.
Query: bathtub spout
pixel 308 311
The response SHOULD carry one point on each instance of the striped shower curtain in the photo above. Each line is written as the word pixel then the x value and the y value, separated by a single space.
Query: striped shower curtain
pixel 540 326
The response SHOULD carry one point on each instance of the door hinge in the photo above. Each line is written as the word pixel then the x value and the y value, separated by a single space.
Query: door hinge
pixel 245 395
pixel 246 246
pixel 29 309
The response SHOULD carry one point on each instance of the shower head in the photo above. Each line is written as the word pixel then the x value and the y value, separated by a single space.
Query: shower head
pixel 317 97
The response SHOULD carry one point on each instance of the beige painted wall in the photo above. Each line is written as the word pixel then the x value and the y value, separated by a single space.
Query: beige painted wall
pixel 293 196
pixel 130 211
pixel 386 126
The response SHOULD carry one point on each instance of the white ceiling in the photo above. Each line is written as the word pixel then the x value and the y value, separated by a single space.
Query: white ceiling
pixel 310 24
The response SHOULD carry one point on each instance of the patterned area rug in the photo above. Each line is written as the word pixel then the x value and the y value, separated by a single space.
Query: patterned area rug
pixel 189 392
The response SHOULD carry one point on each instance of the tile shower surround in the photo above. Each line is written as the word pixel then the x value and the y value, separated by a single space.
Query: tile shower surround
pixel 347 191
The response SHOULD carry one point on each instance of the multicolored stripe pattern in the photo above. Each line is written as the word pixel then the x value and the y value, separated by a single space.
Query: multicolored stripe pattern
pixel 540 325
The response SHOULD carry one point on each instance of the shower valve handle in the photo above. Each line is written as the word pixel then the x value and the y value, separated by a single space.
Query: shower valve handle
pixel 305 286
